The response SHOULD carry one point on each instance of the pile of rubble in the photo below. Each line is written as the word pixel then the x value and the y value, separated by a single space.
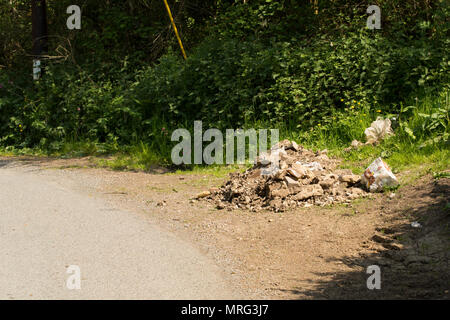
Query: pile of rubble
pixel 287 176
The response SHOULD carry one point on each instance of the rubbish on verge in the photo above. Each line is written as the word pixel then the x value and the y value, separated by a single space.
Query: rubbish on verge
pixel 378 130
pixel 286 177
pixel 378 175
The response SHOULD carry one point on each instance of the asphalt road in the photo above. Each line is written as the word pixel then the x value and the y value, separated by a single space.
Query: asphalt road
pixel 45 228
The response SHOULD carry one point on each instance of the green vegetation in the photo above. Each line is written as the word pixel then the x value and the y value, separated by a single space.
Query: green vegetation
pixel 120 86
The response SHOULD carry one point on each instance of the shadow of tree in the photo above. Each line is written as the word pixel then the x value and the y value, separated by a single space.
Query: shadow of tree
pixel 414 262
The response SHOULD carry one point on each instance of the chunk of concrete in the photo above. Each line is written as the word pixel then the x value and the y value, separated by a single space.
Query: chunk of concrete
pixel 350 178
pixel 307 192
pixel 291 182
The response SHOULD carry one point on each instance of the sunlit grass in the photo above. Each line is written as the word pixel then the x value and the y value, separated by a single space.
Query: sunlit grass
pixel 409 149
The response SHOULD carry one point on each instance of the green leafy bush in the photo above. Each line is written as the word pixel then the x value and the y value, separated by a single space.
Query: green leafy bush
pixel 275 63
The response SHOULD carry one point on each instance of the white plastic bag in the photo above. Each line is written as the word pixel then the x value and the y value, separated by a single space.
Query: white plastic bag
pixel 378 175
pixel 378 130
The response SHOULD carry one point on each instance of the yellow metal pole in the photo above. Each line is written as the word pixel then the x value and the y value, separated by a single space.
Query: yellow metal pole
pixel 175 28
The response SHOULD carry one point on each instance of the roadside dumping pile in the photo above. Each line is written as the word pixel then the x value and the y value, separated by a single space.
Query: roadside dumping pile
pixel 286 177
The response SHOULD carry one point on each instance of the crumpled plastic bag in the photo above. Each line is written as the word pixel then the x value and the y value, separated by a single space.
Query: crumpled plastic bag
pixel 378 130
pixel 378 175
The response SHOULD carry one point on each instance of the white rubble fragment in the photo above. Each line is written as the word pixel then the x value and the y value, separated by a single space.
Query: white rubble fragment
pixel 415 224
pixel 313 166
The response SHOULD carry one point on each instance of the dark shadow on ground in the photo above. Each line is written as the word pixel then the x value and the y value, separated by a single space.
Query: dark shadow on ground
pixel 414 262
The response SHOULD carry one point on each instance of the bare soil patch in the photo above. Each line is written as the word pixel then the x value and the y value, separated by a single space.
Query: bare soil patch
pixel 302 253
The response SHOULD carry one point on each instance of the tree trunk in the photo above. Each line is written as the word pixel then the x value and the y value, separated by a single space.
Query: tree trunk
pixel 39 33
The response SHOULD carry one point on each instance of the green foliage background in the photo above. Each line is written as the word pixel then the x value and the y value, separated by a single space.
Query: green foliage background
pixel 121 79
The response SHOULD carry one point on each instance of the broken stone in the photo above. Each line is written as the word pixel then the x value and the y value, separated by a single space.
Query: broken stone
pixel 203 194
pixel 313 166
pixel 327 183
pixel 350 178
pixel 357 192
pixel 342 172
pixel 294 173
pixel 288 159
pixel 301 170
pixel 275 203
pixel 287 176
pixel 315 180
pixel 264 159
pixel 308 192
pixel 290 182
pixel 255 174
pixel 281 145
pixel 356 144
pixel 282 193
pixel 280 174
pixel 269 171
pixel 293 146
pixel 272 157
pixel 214 190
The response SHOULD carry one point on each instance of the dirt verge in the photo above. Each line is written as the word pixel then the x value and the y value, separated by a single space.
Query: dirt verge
pixel 314 252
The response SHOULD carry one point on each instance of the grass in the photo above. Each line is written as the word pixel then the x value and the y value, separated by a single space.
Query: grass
pixel 11 151
pixel 420 143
